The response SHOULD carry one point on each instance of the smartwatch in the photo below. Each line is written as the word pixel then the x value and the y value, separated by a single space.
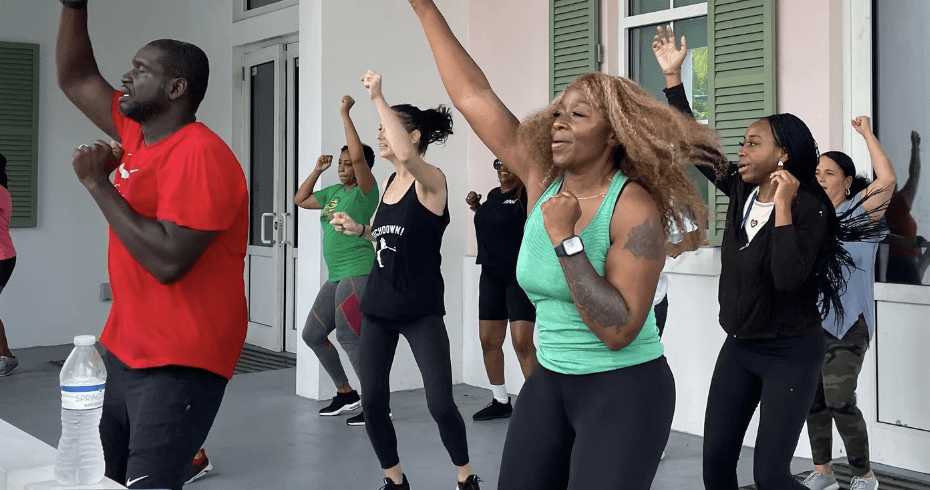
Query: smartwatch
pixel 570 246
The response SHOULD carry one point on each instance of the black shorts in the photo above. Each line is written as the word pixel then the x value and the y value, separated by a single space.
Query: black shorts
pixel 500 297
pixel 6 269
pixel 154 421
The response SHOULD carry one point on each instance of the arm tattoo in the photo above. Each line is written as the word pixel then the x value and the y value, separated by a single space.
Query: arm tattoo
pixel 600 306
pixel 646 240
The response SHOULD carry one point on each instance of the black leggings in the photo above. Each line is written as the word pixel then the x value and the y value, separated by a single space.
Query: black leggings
pixel 780 374
pixel 430 345
pixel 600 431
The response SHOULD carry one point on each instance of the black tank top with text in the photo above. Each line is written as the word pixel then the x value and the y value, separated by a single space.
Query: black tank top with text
pixel 406 280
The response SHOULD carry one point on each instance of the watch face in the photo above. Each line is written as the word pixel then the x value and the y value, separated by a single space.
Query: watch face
pixel 572 245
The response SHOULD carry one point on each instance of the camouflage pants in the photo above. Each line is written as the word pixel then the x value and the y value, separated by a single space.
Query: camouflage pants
pixel 836 401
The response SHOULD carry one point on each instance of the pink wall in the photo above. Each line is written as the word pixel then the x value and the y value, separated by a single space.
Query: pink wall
pixel 810 66
pixel 510 42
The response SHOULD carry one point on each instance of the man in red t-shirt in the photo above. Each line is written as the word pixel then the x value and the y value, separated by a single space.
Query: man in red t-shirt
pixel 178 215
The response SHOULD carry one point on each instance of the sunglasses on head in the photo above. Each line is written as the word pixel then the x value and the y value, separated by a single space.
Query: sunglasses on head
pixel 497 164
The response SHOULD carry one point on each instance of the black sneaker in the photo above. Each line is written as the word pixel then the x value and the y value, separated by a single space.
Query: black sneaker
pixel 390 485
pixel 359 420
pixel 344 402
pixel 470 483
pixel 494 410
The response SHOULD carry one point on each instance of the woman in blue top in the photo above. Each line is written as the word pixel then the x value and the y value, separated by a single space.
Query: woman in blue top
pixel 348 259
pixel 848 337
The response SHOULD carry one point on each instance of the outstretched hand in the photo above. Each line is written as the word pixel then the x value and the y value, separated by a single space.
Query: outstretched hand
pixel 669 56
pixel 862 125
pixel 344 223
pixel 372 82
pixel 915 139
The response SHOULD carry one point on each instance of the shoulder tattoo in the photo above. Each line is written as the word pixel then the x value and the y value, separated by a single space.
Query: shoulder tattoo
pixel 646 240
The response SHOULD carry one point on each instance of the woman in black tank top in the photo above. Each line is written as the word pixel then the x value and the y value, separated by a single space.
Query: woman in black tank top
pixel 404 295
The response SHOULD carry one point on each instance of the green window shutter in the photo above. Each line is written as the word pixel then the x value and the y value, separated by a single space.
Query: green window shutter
pixel 573 41
pixel 741 88
pixel 19 127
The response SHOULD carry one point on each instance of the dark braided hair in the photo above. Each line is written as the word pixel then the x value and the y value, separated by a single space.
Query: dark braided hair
pixel 846 164
pixel 793 136
pixel 434 125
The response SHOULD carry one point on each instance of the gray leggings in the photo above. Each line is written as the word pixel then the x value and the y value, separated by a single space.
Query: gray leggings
pixel 336 308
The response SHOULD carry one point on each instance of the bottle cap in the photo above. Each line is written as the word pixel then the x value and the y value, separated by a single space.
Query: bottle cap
pixel 84 340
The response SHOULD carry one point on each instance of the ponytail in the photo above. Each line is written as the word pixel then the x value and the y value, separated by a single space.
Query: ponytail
pixel 434 125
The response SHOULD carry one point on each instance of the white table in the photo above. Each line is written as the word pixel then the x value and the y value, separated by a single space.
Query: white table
pixel 27 463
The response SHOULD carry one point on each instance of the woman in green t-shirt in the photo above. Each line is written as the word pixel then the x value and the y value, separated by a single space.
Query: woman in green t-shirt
pixel 348 258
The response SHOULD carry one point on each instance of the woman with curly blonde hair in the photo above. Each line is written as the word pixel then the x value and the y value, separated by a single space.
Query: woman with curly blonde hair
pixel 605 171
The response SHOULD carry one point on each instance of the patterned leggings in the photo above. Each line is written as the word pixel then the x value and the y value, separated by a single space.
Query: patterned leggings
pixel 836 401
pixel 336 308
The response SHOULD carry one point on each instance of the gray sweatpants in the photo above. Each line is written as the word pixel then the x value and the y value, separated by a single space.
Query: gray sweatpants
pixel 336 308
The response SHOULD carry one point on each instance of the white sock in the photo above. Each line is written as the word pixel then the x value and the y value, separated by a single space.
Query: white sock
pixel 500 393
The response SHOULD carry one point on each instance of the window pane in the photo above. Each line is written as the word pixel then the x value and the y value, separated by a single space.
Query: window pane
pixel 645 6
pixel 261 161
pixel 902 125
pixel 644 69
pixel 254 4
pixel 683 3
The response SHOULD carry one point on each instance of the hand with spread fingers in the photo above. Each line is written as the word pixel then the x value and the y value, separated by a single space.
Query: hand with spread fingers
pixel 323 163
pixel 344 223
pixel 560 214
pixel 372 82
pixel 473 200
pixel 786 187
pixel 94 163
pixel 669 56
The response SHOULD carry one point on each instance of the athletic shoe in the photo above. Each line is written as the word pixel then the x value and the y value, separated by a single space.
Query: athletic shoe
pixel 359 420
pixel 859 483
pixel 821 481
pixel 470 483
pixel 7 365
pixel 390 485
pixel 200 467
pixel 494 410
pixel 344 402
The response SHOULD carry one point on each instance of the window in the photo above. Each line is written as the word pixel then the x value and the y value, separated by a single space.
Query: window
pixel 19 127
pixel 729 75
pixel 243 9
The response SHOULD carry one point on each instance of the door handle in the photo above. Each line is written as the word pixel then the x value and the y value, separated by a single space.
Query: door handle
pixel 284 238
pixel 264 240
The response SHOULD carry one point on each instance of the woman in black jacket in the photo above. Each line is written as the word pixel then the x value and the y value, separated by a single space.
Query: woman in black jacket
pixel 780 252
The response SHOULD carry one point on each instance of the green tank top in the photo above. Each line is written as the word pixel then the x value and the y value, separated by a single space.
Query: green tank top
pixel 566 345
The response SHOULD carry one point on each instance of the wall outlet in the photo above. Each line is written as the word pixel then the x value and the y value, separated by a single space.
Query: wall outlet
pixel 105 293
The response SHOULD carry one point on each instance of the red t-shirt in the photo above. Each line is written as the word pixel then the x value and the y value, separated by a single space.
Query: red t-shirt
pixel 191 178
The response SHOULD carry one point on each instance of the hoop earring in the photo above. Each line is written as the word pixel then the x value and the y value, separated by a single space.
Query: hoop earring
pixel 847 191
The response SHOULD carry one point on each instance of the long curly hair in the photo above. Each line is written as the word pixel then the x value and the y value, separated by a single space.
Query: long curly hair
pixel 657 144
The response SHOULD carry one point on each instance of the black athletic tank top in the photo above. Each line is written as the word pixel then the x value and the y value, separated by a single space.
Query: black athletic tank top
pixel 499 226
pixel 406 280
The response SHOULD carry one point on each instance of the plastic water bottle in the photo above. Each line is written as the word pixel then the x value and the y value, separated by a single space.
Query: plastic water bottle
pixel 80 452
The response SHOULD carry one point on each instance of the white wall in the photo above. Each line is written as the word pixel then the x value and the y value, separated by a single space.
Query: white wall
pixel 54 292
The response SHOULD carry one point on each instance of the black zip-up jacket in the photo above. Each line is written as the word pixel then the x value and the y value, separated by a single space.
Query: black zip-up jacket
pixel 767 286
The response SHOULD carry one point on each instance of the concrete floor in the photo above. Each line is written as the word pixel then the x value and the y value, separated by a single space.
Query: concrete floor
pixel 266 437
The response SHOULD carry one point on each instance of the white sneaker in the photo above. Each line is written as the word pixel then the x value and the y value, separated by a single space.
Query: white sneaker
pixel 859 483
pixel 821 481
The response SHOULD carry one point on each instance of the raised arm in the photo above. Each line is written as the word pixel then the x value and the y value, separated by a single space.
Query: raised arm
pixel 78 75
pixel 909 189
pixel 366 181
pixel 885 179
pixel 429 177
pixel 471 94
pixel 614 306
pixel 304 196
